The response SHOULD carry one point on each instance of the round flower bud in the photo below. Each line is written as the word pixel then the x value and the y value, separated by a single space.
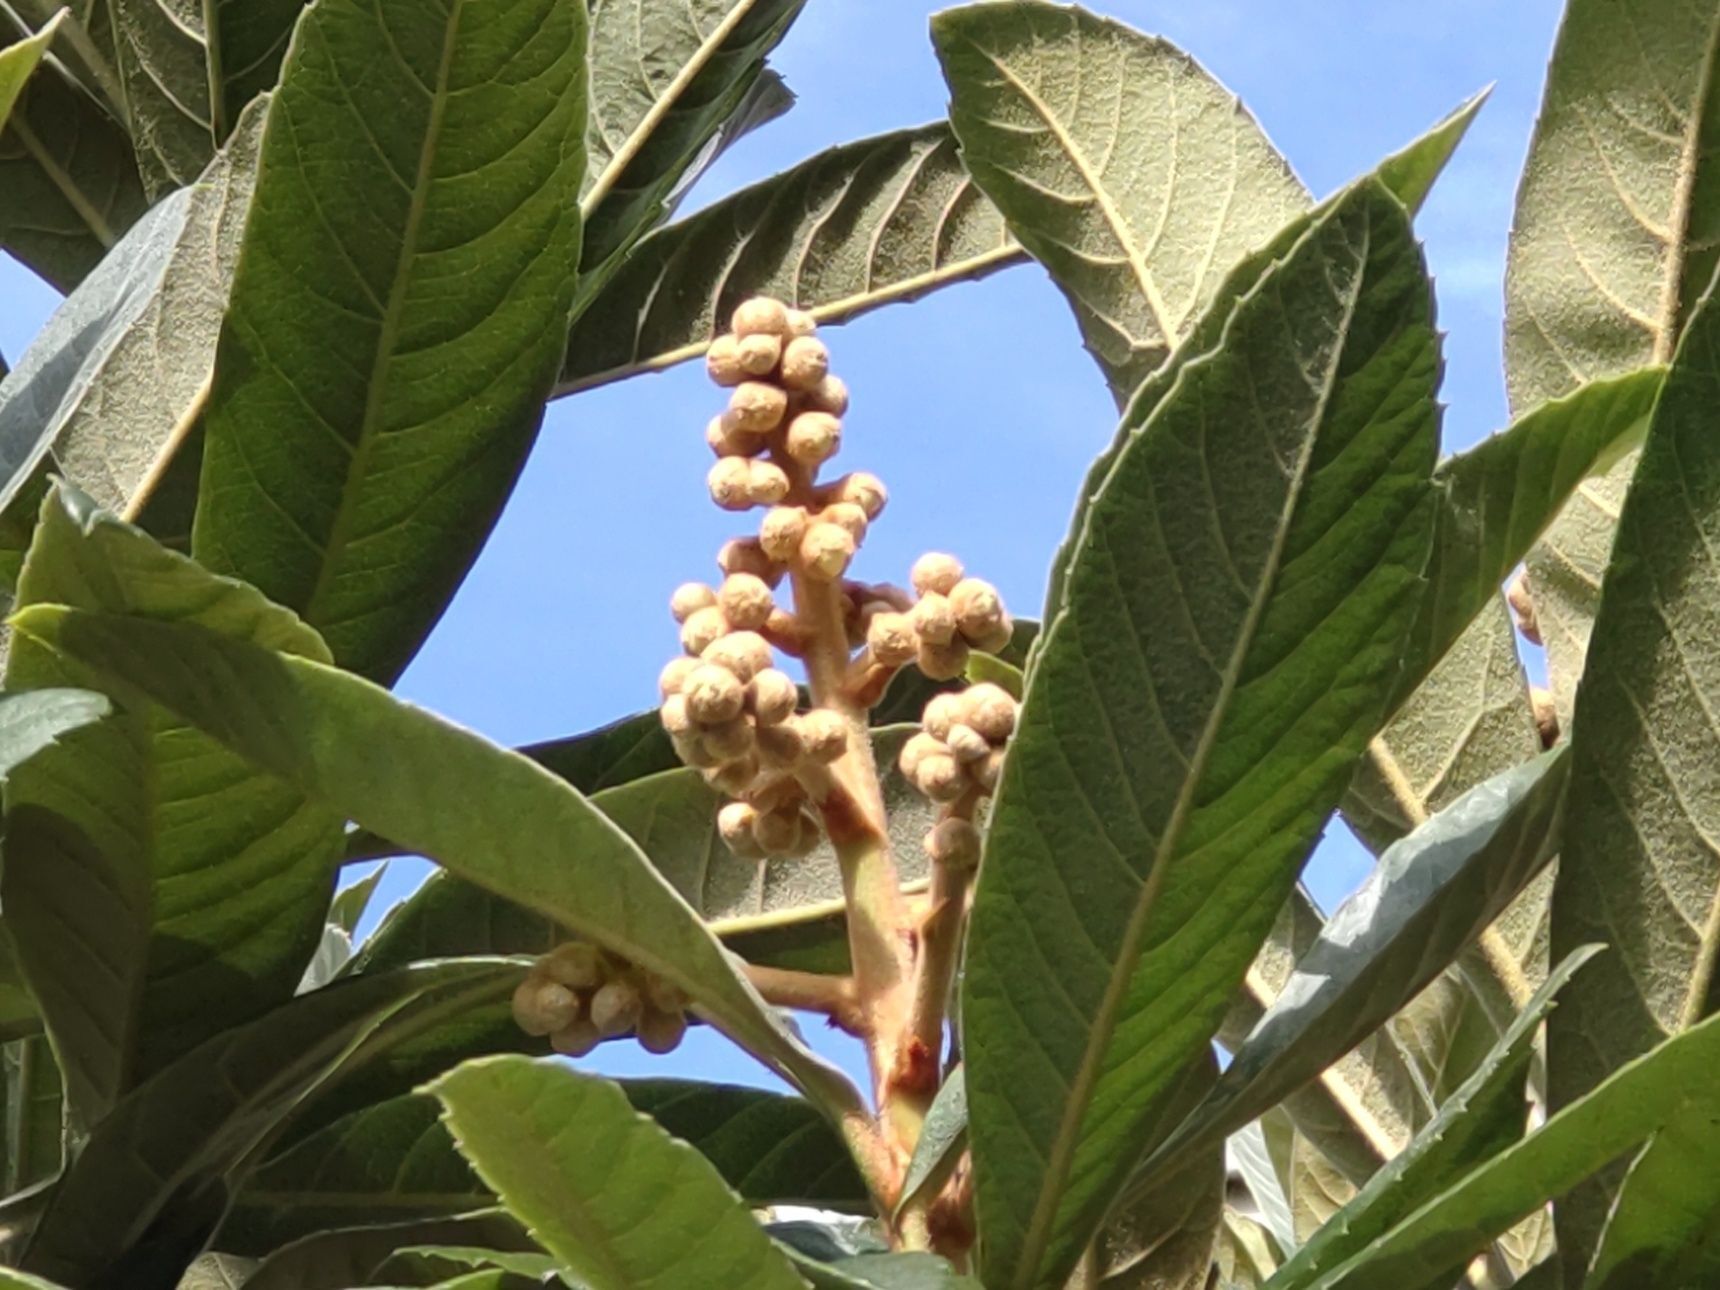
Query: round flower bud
pixel 825 551
pixel 661 1032
pixel 746 600
pixel 943 712
pixel 736 777
pixel 745 555
pixel 977 606
pixel 760 316
pixel 735 824
pixel 825 733
pixel 615 1008
pixel 690 597
pixel 713 694
pixel 780 533
pixel 940 777
pixel 943 662
pixel 810 835
pixel 919 747
pixel 1522 602
pixel 730 482
pixel 674 675
pixel 934 621
pixel 937 572
pixel 692 750
pixel 577 965
pixel 772 697
pixel 801 323
pixel 892 639
pixel 954 842
pixel 663 996
pixel 846 516
pixel 767 484
pixel 702 628
pixel 726 441
pixel 781 746
pixel 756 407
pixel 995 638
pixel 829 395
pixel 805 362
pixel 759 353
pixel 862 488
pixel 776 832
pixel 744 653
pixel 813 438
pixel 986 773
pixel 723 361
pixel 541 1006
pixel 967 744
pixel 677 718
pixel 991 711
pixel 577 1039
pixel 728 741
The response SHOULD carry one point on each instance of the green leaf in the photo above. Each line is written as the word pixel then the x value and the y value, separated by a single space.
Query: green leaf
pixel 863 225
pixel 666 76
pixel 1432 1244
pixel 70 179
pixel 432 1265
pixel 1411 172
pixel 1191 719
pixel 155 1177
pixel 1429 896
pixel 1616 235
pixel 10 1280
pixel 446 793
pixel 1637 870
pixel 109 389
pixel 159 889
pixel 880 1272
pixel 341 1258
pixel 17 62
pixel 35 1114
pixel 619 1202
pixel 1661 1232
pixel 398 311
pixel 1480 1119
pixel 943 1138
pixel 348 907
pixel 1119 162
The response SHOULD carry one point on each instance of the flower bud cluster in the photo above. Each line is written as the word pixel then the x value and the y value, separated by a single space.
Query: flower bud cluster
pixel 956 759
pixel 578 995
pixel 952 615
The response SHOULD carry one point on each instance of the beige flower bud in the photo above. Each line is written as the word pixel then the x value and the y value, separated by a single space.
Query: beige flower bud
pixel 723 361
pixel 919 747
pixel 986 773
pixel 661 1032
pixel 829 395
pixel 954 842
pixel 943 712
pixel 577 1039
pixel 735 824
pixel 730 483
pixel 662 995
pixel 758 316
pixel 805 362
pixel 892 639
pixel 848 517
pixel 1522 602
pixel 811 834
pixel 943 662
pixel 825 733
pixel 726 441
pixel 862 488
pixel 940 777
pixel 731 741
pixel 689 598
pixel 615 1007
pixel 781 746
pixel 813 438
pixel 978 608
pixel 541 1006
pixel 936 572
pixel 967 744
pixel 781 532
pixel 744 653
pixel 991 711
pixel 745 555
pixel 826 551
pixel 713 694
pixel 735 778
pixel 777 832
pixel 674 675
pixel 677 718
pixel 767 484
pixel 995 639
pixel 1546 714
pixel 692 750
pixel 756 407
pixel 759 353
pixel 576 964
pixel 772 696
pixel 746 601
pixel 801 323
pixel 934 621
pixel 703 626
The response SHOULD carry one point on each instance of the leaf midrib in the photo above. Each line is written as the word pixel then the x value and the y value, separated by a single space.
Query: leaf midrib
pixel 1683 199
pixel 359 469
pixel 1105 1019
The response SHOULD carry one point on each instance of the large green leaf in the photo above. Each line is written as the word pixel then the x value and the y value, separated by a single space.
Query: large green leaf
pixel 109 388
pixel 1192 717
pixel 666 77
pixel 17 63
pixel 1637 869
pixel 398 311
pixel 863 225
pixel 67 169
pixel 1617 232
pixel 158 887
pixel 1428 896
pixel 444 792
pixel 155 1177
pixel 341 1258
pixel 1479 1120
pixel 619 1202
pixel 188 68
pixel 1127 170
pixel 1662 1231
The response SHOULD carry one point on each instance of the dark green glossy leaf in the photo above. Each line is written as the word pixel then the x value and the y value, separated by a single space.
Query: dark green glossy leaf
pixel 398 311
pixel 344 1257
pixel 619 1202
pixel 1191 718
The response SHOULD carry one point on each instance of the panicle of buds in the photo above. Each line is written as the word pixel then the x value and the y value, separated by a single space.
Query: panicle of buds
pixel 956 760
pixel 579 995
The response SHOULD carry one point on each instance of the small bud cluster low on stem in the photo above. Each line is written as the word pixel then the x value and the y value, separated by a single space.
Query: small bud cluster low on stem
pixel 578 996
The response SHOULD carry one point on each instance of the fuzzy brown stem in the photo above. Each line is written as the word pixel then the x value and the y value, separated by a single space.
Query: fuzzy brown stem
pixel 830 996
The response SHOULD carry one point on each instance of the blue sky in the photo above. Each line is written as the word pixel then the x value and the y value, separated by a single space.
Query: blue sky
pixel 978 406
